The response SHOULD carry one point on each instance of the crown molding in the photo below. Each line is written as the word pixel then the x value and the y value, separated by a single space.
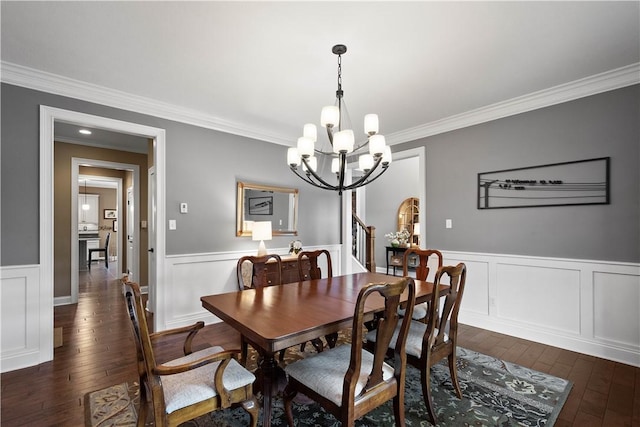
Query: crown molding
pixel 603 82
pixel 52 83
pixel 31 78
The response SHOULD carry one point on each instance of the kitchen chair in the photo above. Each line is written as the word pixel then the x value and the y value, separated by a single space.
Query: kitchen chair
pixel 257 277
pixel 196 384
pixel 315 272
pixel 348 381
pixel 422 273
pixel 428 343
pixel 100 250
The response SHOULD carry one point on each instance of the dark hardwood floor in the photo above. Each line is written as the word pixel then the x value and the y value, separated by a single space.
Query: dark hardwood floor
pixel 98 351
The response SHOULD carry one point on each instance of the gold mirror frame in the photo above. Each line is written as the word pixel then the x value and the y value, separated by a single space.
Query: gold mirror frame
pixel 408 216
pixel 276 204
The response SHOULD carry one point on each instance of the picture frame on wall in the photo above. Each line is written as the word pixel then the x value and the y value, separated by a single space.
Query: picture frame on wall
pixel 110 214
pixel 261 205
pixel 580 182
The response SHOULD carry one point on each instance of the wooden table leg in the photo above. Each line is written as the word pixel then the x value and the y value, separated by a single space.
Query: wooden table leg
pixel 268 375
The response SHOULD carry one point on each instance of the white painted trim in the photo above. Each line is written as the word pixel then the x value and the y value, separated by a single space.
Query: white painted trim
pixel 584 340
pixel 21 337
pixel 421 154
pixel 603 82
pixel 48 116
pixel 31 78
pixel 45 284
pixel 47 82
pixel 184 307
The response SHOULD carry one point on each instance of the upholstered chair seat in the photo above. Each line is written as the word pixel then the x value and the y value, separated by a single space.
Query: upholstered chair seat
pixel 324 373
pixel 190 387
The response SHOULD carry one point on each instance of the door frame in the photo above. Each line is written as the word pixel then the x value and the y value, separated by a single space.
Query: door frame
pixel 48 117
pixel 76 162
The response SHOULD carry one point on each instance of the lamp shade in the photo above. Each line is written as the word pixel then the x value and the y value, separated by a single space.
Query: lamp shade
pixel 377 144
pixel 293 157
pixel 261 230
pixel 310 131
pixel 330 116
pixel 416 229
pixel 371 124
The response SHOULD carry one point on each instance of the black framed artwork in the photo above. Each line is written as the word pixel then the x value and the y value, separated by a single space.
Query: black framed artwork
pixel 261 205
pixel 581 182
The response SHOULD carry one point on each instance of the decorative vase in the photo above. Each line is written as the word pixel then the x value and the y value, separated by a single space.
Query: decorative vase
pixel 395 243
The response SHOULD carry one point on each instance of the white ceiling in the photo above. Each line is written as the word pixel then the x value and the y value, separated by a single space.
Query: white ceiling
pixel 263 69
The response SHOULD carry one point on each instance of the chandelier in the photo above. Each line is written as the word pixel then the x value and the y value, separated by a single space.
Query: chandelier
pixel 342 140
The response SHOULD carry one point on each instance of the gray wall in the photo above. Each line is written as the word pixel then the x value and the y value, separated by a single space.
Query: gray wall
pixel 202 168
pixel 604 125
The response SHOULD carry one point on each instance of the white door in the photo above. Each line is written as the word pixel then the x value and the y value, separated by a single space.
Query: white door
pixel 130 232
pixel 152 212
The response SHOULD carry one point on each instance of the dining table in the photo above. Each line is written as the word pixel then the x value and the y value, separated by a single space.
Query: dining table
pixel 277 317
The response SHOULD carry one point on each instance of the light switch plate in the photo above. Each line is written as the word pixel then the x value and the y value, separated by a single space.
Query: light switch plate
pixel 448 223
pixel 172 224
pixel 184 208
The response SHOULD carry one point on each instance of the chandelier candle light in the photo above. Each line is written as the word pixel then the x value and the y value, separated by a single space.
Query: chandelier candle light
pixel 342 140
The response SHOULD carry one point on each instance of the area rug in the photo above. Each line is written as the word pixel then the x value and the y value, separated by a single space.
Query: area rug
pixel 495 393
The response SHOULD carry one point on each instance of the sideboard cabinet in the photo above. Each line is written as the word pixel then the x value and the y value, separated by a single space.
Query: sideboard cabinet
pixel 289 273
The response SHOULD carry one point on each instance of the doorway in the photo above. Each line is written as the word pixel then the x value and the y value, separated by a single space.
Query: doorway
pixel 48 117
pixel 117 223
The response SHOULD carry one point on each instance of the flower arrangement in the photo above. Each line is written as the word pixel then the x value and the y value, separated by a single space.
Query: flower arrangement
pixel 295 246
pixel 398 238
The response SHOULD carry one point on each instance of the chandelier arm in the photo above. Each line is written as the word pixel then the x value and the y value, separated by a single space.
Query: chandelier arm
pixel 343 166
pixel 308 180
pixel 363 179
pixel 359 183
pixel 317 177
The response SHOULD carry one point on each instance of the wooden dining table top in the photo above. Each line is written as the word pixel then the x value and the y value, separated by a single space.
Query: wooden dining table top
pixel 277 317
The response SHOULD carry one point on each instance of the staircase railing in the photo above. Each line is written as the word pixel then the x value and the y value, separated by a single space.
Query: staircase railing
pixel 363 242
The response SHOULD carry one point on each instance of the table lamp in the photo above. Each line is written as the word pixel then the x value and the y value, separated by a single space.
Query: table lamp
pixel 261 231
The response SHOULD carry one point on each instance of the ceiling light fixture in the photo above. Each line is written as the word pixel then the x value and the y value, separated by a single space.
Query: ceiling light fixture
pixel 85 131
pixel 341 137
pixel 85 205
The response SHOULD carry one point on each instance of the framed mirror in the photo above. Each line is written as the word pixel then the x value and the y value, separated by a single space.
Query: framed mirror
pixel 257 202
pixel 409 219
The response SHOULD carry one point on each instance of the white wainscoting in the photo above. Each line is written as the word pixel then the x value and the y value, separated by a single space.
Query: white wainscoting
pixel 20 322
pixel 192 276
pixel 591 307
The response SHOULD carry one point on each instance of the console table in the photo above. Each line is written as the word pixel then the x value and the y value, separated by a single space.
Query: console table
pixel 395 258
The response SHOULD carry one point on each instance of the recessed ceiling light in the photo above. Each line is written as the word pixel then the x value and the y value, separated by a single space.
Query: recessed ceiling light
pixel 85 131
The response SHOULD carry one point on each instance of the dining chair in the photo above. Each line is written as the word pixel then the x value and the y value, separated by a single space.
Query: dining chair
pixel 424 257
pixel 252 272
pixel 104 249
pixel 308 269
pixel 190 386
pixel 257 275
pixel 428 343
pixel 349 381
